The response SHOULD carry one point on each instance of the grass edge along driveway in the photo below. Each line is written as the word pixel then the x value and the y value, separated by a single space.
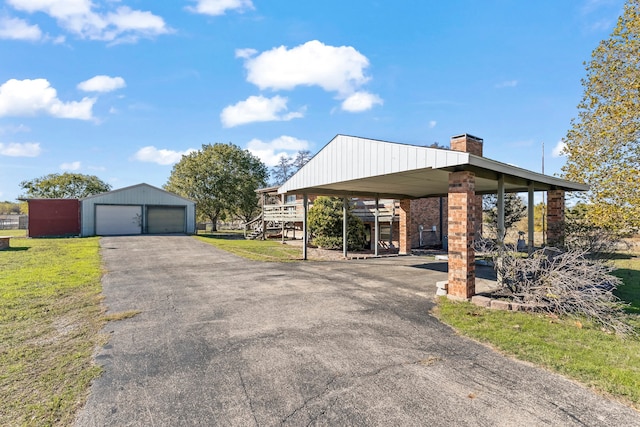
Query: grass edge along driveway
pixel 50 321
pixel 572 347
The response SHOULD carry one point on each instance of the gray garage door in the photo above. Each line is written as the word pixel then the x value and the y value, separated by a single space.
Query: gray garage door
pixel 166 219
pixel 114 220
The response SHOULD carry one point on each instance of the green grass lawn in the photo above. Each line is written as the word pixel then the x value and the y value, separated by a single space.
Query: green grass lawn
pixel 50 318
pixel 579 350
pixel 13 233
pixel 258 250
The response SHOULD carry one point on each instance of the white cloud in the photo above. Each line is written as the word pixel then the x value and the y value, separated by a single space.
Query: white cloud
pixel 245 53
pixel 432 124
pixel 18 29
pixel 339 69
pixel 360 101
pixel 30 97
pixel 257 109
pixel 335 69
pixel 507 83
pixel 558 150
pixel 219 7
pixel 71 166
pixel 16 149
pixel 102 84
pixel 160 156
pixel 80 18
pixel 271 152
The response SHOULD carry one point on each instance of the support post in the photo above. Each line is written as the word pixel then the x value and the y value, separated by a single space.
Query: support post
pixel 404 239
pixel 555 217
pixel 530 219
pixel 305 234
pixel 500 228
pixel 461 230
pixel 282 215
pixel 345 227
pixel 376 227
pixel 264 223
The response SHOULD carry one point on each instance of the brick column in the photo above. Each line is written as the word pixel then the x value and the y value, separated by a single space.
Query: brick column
pixel 404 238
pixel 473 145
pixel 461 229
pixel 555 217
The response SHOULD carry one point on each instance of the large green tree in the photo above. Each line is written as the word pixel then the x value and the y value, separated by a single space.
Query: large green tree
pixel 64 186
pixel 603 143
pixel 221 179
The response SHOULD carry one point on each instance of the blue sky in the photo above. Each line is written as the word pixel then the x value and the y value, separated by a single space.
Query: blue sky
pixel 121 88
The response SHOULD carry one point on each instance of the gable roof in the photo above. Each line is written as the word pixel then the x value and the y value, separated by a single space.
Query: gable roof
pixel 136 187
pixel 356 166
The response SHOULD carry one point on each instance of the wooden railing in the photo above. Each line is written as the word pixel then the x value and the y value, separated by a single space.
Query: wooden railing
pixel 287 213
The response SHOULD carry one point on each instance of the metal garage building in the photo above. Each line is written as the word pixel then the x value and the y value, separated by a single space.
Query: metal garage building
pixel 139 209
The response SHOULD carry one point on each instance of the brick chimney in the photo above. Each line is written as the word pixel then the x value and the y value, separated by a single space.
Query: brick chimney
pixel 467 143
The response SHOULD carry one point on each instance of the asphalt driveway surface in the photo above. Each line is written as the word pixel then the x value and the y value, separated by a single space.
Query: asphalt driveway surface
pixel 225 341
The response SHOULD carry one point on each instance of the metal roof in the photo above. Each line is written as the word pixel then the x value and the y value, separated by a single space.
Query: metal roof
pixel 158 194
pixel 355 166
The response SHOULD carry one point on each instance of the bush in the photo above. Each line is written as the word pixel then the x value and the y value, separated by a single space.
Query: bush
pixel 325 225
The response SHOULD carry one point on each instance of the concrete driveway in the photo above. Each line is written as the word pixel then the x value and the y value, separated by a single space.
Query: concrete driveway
pixel 226 341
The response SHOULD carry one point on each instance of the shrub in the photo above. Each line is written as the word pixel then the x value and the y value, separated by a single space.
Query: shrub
pixel 325 225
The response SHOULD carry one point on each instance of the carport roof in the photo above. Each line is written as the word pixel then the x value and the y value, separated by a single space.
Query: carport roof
pixel 356 166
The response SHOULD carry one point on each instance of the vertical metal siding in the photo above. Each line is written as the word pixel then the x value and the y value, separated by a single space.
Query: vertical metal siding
pixel 54 217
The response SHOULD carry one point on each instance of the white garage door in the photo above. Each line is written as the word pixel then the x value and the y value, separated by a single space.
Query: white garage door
pixel 165 219
pixel 114 220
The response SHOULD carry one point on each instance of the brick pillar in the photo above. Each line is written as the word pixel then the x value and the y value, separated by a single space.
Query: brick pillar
pixel 555 217
pixel 404 238
pixel 461 229
pixel 473 145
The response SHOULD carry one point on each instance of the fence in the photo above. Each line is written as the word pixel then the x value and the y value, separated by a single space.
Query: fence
pixel 14 222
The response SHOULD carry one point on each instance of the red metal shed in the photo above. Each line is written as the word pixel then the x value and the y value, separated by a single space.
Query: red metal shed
pixel 54 217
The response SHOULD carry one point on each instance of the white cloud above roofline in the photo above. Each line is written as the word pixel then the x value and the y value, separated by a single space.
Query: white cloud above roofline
pixel 102 83
pixel 17 149
pixel 220 7
pixel 32 97
pixel 19 29
pixel 258 109
pixel 118 24
pixel 161 156
pixel 270 152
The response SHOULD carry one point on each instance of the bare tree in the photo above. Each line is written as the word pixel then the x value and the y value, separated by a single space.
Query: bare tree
pixel 282 171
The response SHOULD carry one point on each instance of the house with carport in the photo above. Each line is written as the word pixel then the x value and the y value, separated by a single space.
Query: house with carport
pixel 349 167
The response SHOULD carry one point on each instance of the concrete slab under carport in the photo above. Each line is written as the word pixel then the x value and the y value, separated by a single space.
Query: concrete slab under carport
pixel 225 341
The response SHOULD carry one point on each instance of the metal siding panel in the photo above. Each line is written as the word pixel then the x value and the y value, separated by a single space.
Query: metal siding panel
pixel 395 155
pixel 54 217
